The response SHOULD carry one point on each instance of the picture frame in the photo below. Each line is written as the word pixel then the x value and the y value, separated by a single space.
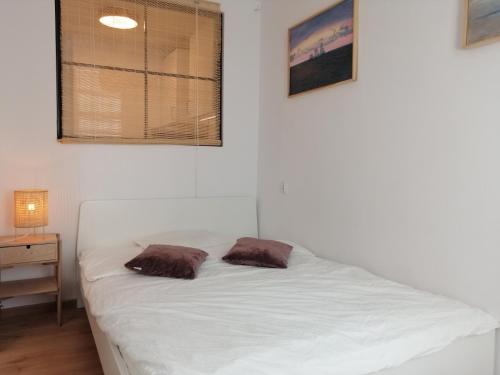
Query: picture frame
pixel 481 23
pixel 323 49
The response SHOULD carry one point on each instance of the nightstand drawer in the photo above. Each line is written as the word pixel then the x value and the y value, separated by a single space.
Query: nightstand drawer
pixel 28 254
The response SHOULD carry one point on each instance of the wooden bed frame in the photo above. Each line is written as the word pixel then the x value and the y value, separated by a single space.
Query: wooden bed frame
pixel 106 223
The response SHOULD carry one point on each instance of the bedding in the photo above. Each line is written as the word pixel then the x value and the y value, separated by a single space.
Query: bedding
pixel 106 262
pixel 316 317
pixel 168 261
pixel 250 251
pixel 97 264
pixel 191 238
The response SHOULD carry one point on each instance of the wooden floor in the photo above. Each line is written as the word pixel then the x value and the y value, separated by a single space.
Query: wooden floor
pixel 36 345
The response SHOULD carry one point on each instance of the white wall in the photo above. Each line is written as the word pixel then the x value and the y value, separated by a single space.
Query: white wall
pixel 30 155
pixel 398 172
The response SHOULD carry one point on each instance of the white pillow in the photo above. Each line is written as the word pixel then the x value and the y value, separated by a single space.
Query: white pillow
pixel 96 264
pixel 215 244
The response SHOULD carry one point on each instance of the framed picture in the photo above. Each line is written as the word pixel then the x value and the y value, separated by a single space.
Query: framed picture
pixel 482 22
pixel 322 50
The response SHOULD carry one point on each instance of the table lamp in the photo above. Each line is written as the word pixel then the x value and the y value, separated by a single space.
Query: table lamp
pixel 31 208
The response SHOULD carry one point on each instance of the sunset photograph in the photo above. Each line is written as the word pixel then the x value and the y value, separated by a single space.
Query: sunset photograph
pixel 321 49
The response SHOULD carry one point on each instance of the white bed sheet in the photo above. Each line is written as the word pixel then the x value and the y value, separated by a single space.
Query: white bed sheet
pixel 316 317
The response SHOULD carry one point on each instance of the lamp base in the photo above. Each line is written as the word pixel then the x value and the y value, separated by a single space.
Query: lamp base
pixel 34 232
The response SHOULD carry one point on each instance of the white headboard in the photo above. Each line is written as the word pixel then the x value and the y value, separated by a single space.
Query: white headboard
pixel 117 222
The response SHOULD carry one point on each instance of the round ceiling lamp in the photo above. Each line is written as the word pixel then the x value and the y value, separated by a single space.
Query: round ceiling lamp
pixel 117 18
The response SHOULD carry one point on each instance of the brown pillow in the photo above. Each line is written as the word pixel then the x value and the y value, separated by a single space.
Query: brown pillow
pixel 168 261
pixel 259 253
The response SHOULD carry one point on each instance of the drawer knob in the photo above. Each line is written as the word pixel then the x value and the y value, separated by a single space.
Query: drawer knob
pixel 28 247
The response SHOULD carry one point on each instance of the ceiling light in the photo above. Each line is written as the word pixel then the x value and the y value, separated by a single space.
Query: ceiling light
pixel 118 19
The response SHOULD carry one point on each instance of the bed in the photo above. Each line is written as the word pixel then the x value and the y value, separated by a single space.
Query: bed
pixel 316 317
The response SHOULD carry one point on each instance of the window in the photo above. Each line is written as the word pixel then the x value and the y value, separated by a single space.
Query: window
pixel 139 71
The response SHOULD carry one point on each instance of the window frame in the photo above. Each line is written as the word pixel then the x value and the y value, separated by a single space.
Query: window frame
pixel 156 141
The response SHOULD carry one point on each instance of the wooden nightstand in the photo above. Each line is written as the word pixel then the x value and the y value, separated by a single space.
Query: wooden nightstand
pixel 42 249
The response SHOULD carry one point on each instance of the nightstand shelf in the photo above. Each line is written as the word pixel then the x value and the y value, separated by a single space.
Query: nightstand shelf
pixel 41 263
pixel 33 250
pixel 28 287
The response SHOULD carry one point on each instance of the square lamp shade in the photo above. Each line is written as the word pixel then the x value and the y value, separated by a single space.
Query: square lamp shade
pixel 31 208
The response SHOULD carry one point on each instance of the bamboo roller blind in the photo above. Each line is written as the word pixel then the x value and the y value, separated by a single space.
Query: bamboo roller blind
pixel 157 83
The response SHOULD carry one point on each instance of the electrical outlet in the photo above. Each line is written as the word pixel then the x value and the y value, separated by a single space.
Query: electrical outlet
pixel 284 187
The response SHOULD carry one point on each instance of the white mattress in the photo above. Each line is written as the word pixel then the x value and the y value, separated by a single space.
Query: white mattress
pixel 316 317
